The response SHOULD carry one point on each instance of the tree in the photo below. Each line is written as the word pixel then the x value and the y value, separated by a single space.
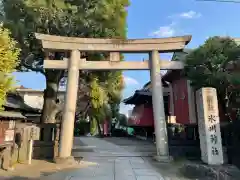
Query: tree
pixel 104 97
pixel 9 55
pixel 208 66
pixel 122 120
pixel 86 18
pixel 105 86
pixel 99 101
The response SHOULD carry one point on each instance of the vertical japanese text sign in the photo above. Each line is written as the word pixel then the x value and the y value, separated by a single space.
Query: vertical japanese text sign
pixel 209 126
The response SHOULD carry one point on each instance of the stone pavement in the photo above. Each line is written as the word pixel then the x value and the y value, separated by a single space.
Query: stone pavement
pixel 108 161
pixel 105 159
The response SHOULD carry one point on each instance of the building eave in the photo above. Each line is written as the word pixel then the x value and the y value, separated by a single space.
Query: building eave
pixel 28 90
pixel 142 96
pixel 15 102
pixel 11 115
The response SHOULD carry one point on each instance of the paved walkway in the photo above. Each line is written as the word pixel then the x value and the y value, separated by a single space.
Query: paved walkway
pixel 111 159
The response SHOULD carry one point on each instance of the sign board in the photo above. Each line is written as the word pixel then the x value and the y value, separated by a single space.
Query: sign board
pixel 209 126
pixel 9 135
pixel 11 124
pixel 33 132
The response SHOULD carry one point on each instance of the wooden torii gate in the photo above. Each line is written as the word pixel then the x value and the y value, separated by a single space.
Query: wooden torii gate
pixel 114 46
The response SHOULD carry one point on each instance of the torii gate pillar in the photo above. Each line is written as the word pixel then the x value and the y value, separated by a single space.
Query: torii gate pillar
pixel 66 142
pixel 158 108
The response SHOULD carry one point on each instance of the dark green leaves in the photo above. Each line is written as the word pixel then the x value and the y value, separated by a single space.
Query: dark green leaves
pixel 216 64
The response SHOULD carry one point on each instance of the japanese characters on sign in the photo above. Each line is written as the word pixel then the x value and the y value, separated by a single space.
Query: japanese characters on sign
pixel 212 132
pixel 210 103
pixel 212 120
pixel 209 126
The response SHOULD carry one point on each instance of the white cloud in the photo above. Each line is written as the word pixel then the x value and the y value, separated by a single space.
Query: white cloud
pixel 164 31
pixel 190 15
pixel 173 28
pixel 186 15
pixel 130 81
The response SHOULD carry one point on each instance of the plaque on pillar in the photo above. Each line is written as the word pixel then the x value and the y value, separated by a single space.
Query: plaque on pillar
pixel 209 126
pixel 114 56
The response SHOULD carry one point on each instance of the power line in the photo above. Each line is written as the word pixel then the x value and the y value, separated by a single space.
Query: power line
pixel 222 1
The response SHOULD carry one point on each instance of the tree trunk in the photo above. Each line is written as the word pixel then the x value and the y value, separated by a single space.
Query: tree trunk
pixel 94 129
pixel 99 128
pixel 49 107
pixel 50 94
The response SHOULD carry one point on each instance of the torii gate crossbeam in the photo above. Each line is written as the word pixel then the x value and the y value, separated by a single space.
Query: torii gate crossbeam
pixel 108 65
pixel 114 46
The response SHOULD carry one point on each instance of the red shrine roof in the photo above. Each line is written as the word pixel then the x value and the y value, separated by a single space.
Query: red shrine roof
pixel 144 95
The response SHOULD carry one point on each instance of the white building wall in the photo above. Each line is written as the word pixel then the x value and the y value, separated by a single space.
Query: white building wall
pixel 35 98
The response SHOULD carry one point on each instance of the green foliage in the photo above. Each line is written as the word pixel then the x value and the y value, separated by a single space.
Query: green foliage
pixel 115 84
pixel 111 22
pixel 208 66
pixel 98 94
pixel 105 97
pixel 8 51
pixel 93 127
pixel 85 18
pixel 9 54
pixel 99 100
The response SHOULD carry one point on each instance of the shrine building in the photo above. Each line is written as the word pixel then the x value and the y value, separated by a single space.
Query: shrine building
pixel 178 95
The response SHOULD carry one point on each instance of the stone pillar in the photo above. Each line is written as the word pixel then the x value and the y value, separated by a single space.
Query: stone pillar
pixel 158 108
pixel 67 127
pixel 209 126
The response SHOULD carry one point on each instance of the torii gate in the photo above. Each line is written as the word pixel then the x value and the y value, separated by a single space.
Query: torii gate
pixel 114 46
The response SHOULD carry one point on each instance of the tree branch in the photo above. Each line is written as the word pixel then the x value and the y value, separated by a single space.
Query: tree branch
pixel 28 63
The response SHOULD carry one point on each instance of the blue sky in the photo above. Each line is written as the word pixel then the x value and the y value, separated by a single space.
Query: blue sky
pixel 163 18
